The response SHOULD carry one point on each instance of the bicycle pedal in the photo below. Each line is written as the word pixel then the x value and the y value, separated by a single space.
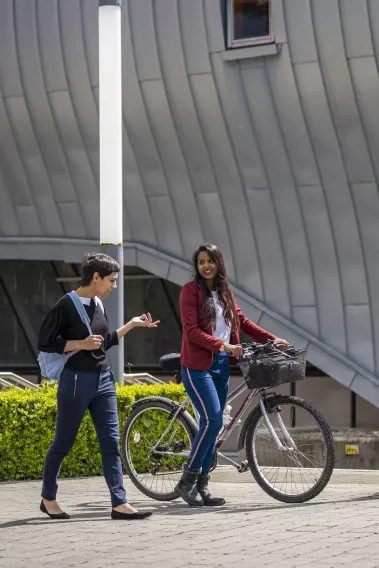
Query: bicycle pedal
pixel 243 467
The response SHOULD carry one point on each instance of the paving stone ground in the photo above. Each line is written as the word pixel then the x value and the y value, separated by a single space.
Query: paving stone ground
pixel 338 528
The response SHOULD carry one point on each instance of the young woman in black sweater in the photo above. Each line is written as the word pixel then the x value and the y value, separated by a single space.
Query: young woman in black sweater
pixel 87 382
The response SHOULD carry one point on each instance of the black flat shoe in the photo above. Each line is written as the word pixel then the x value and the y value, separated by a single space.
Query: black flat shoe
pixel 116 515
pixel 42 508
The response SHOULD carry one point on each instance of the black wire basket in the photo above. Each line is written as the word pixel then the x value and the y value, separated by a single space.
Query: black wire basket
pixel 267 366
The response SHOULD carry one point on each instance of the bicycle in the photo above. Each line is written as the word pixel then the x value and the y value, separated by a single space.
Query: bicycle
pixel 290 458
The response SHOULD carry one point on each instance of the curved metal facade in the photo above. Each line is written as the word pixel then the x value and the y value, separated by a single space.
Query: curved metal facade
pixel 275 159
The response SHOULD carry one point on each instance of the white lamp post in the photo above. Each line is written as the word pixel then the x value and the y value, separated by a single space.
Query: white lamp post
pixel 110 120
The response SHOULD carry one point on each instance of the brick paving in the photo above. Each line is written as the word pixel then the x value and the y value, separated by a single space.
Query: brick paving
pixel 338 528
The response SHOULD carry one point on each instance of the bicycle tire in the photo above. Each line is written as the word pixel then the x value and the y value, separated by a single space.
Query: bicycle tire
pixel 150 405
pixel 329 442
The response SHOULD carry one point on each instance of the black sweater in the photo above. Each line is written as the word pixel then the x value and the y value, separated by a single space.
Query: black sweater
pixel 63 323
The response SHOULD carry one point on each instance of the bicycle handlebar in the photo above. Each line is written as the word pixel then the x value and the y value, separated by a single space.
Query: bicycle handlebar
pixel 253 348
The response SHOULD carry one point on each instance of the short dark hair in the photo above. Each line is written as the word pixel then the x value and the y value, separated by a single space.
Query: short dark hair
pixel 97 262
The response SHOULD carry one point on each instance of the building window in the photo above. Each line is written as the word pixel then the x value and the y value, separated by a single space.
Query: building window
pixel 249 23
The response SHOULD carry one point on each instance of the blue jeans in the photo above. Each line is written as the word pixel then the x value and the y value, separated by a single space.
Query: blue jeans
pixel 208 391
pixel 78 391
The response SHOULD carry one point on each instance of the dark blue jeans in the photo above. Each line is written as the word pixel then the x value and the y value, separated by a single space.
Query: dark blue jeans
pixel 77 392
pixel 208 391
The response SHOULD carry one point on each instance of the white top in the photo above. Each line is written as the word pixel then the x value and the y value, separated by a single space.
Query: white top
pixel 87 302
pixel 222 330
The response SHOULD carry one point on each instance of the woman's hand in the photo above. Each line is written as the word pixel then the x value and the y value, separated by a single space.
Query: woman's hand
pixel 281 343
pixel 92 342
pixel 141 321
pixel 234 350
pixel 144 321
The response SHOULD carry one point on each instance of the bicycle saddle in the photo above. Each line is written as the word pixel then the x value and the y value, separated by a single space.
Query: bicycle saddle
pixel 170 362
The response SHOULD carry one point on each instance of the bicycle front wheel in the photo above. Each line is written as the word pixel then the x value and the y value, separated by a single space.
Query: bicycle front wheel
pixel 156 469
pixel 302 468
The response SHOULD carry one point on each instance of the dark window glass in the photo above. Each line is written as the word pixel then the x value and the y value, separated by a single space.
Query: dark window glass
pixel 144 347
pixel 35 289
pixel 251 19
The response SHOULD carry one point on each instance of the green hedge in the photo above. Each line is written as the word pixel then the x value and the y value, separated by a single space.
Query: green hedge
pixel 27 422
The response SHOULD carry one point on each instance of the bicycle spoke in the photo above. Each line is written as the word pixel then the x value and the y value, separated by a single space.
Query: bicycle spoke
pixel 147 467
pixel 297 467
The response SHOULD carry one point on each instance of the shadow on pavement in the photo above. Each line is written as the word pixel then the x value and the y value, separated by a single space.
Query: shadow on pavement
pixel 45 520
pixel 173 509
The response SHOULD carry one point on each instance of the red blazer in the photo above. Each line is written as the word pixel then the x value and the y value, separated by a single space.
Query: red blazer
pixel 198 344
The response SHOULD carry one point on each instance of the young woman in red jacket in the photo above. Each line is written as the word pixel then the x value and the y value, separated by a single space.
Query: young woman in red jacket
pixel 211 323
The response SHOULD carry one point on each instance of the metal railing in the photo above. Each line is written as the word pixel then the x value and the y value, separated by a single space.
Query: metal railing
pixel 141 378
pixel 8 385
pixel 11 380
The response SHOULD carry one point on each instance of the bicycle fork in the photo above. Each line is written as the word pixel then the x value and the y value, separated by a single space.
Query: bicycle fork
pixel 286 436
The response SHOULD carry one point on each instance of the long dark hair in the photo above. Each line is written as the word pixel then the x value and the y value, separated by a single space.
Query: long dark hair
pixel 222 287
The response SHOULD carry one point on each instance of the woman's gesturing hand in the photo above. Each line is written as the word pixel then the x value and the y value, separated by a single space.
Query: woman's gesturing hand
pixel 141 321
pixel 92 342
pixel 144 321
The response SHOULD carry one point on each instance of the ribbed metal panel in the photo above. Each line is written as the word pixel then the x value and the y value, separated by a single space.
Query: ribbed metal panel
pixel 275 159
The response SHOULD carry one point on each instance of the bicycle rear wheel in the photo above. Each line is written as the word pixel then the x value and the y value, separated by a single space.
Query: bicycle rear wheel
pixel 302 469
pixel 154 473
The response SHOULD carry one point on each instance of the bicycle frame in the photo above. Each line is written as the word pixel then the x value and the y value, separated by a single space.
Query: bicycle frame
pixel 228 429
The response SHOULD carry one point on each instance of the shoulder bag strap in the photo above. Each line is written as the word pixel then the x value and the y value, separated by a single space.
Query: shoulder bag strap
pixel 81 310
